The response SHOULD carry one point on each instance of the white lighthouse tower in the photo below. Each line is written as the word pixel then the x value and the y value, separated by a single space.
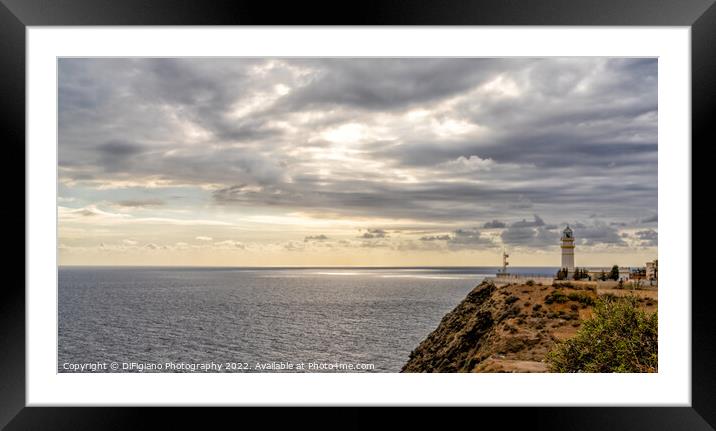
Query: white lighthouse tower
pixel 567 244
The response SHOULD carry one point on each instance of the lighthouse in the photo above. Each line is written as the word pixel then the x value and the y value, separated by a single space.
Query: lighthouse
pixel 567 244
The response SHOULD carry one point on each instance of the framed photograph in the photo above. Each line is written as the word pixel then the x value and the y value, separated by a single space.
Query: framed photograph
pixel 446 205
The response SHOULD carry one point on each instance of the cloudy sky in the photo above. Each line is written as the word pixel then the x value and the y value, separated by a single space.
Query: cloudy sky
pixel 356 161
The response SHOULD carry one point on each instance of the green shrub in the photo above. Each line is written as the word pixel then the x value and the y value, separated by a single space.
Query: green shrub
pixel 609 297
pixel 614 273
pixel 581 298
pixel 636 285
pixel 620 337
pixel 530 282
pixel 556 296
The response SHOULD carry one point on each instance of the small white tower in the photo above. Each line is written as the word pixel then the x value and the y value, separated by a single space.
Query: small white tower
pixel 568 249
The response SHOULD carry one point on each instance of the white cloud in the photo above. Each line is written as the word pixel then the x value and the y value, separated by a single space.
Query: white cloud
pixel 469 164
pixel 229 244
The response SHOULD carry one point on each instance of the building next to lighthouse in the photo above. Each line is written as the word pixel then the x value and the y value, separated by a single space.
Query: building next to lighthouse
pixel 567 245
pixel 648 273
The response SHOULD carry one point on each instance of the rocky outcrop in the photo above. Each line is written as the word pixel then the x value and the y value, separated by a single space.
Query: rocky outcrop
pixel 502 329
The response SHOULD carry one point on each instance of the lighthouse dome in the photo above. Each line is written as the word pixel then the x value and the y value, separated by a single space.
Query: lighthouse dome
pixel 567 232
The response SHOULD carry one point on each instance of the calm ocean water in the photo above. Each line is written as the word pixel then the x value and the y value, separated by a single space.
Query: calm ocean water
pixel 273 317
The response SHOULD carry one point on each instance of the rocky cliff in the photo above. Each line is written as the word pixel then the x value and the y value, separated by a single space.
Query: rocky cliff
pixel 503 329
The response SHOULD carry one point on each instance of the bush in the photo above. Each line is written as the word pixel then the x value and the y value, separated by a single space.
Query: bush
pixel 581 274
pixel 636 284
pixel 530 282
pixel 620 337
pixel 511 299
pixel 557 297
pixel 581 298
pixel 614 273
pixel 609 297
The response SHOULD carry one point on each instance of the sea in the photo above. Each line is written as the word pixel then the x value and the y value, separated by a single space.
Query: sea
pixel 189 319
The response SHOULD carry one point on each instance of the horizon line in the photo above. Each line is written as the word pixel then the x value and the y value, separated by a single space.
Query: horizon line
pixel 323 266
pixel 313 266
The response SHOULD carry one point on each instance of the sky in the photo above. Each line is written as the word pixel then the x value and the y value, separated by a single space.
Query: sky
pixel 356 161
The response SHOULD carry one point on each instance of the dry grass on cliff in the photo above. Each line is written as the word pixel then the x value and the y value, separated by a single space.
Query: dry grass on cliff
pixel 510 328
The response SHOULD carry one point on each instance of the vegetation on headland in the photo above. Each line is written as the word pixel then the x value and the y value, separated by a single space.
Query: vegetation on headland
pixel 577 274
pixel 614 273
pixel 620 337
pixel 584 274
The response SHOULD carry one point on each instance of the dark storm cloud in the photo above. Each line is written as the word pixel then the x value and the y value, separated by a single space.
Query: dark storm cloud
pixel 552 136
pixel 435 238
pixel 428 200
pixel 537 221
pixel 519 236
pixel 599 233
pixel 205 92
pixel 530 233
pixel 119 149
pixel 374 234
pixel 117 155
pixel 386 84
pixel 463 239
pixel 494 224
pixel 538 234
pixel 526 234
pixel 549 151
pixel 649 237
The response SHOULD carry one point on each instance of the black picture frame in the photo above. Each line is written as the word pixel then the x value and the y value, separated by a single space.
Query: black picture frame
pixel 16 15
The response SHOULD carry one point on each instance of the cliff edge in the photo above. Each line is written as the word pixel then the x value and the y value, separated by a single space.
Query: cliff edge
pixel 508 328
